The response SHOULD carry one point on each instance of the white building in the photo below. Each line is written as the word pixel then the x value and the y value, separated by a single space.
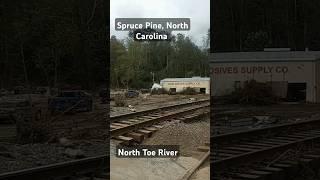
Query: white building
pixel 291 74
pixel 200 84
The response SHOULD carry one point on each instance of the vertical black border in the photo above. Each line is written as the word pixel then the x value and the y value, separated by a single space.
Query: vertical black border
pixel 211 25
pixel 106 4
pixel 210 75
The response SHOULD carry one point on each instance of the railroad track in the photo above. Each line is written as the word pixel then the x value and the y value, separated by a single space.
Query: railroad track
pixel 93 167
pixel 143 123
pixel 154 110
pixel 96 167
pixel 236 149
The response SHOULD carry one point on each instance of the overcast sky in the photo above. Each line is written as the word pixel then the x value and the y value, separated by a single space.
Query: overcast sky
pixel 197 10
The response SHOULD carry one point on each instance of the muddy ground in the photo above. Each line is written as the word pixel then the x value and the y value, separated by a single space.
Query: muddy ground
pixel 17 157
pixel 78 131
pixel 228 118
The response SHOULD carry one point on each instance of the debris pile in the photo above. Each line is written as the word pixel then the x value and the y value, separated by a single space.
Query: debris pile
pixel 254 93
pixel 189 91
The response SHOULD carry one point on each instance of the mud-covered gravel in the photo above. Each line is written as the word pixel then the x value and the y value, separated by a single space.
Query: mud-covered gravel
pixel 187 135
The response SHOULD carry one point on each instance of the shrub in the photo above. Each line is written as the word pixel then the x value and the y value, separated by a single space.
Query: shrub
pixel 253 92
pixel 158 91
pixel 189 91
pixel 120 100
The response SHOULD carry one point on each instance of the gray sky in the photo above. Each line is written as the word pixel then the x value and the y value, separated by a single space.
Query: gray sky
pixel 197 10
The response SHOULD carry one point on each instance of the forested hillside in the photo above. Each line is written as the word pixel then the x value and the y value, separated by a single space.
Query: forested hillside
pixel 251 25
pixel 134 63
pixel 53 43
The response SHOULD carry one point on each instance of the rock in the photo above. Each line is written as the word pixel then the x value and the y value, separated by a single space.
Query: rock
pixel 65 142
pixel 261 118
pixel 192 99
pixel 39 163
pixel 132 109
pixel 130 106
pixel 74 153
pixel 7 155
pixel 3 148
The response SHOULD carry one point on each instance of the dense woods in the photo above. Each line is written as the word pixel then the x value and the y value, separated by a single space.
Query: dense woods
pixel 135 64
pixel 53 43
pixel 251 25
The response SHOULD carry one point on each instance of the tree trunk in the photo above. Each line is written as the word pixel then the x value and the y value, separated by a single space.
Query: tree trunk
pixel 24 65
pixel 55 57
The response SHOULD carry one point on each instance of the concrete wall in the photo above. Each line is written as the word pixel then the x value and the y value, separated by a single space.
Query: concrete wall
pixel 223 75
pixel 181 85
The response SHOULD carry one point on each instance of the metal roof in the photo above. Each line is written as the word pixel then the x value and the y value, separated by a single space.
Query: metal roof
pixel 262 56
pixel 185 79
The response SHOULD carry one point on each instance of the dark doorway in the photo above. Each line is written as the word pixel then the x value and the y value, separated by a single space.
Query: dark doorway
pixel 172 91
pixel 297 92
pixel 202 90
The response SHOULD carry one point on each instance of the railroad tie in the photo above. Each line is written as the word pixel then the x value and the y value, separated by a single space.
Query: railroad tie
pixel 133 120
pixel 157 126
pixel 287 167
pixel 151 129
pixel 145 132
pixel 276 173
pixel 138 137
pixel 115 127
pixel 262 174
pixel 127 122
pixel 203 148
pixel 125 140
pixel 119 124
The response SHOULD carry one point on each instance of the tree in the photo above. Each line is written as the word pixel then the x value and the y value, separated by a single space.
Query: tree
pixel 134 63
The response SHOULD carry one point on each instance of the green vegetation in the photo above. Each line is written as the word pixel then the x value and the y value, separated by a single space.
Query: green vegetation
pixel 53 43
pixel 256 24
pixel 133 63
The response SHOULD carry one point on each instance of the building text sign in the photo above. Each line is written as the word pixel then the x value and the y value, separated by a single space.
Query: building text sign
pixel 249 70
pixel 183 83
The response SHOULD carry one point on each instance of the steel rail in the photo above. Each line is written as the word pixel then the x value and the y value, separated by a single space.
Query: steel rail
pixel 264 130
pixel 149 122
pixel 139 113
pixel 233 149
